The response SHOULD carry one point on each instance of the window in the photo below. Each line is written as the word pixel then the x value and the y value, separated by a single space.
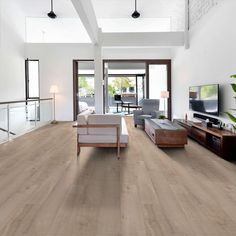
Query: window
pixel 32 78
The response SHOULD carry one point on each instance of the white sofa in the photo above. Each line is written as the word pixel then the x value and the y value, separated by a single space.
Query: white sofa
pixel 101 131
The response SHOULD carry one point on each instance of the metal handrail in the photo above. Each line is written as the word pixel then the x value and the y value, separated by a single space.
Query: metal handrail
pixel 29 100
pixel 8 107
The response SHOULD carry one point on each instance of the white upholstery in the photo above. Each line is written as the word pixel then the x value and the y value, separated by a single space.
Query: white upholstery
pixel 92 138
pixel 83 106
pixel 102 135
pixel 103 119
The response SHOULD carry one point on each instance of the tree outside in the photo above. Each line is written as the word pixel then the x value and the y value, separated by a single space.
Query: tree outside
pixel 86 86
pixel 117 85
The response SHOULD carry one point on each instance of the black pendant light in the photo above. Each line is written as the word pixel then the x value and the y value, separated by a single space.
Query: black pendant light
pixel 135 14
pixel 51 14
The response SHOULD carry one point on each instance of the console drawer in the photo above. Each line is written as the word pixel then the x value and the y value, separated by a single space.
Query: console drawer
pixel 198 134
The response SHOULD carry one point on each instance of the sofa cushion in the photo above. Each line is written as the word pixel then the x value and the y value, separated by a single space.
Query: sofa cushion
pixel 103 119
pixel 98 138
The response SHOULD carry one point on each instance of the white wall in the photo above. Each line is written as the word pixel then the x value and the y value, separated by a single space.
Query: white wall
pixel 56 67
pixel 136 53
pixel 12 30
pixel 210 59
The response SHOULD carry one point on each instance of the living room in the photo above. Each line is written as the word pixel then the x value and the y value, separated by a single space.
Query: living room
pixel 49 190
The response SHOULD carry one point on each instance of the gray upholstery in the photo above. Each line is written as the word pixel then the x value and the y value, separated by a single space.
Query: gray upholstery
pixel 150 110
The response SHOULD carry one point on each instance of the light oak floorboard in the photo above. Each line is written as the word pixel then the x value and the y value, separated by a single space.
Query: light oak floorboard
pixel 46 191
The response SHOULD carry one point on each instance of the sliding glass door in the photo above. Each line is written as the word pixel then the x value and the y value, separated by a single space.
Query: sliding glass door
pixel 134 80
pixel 84 86
pixel 123 86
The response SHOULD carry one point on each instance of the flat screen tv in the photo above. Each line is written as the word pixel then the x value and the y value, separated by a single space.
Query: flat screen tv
pixel 205 99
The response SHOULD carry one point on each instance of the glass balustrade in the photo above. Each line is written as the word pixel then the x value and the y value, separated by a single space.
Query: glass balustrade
pixel 3 123
pixel 20 117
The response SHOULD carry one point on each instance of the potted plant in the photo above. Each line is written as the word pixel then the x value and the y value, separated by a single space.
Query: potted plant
pixel 230 115
pixel 162 117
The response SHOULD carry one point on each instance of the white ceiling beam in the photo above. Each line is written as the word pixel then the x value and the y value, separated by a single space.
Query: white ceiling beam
pixel 161 39
pixel 86 13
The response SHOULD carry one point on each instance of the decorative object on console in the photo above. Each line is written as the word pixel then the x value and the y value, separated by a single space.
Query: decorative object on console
pixel 231 116
pixel 54 90
pixel 186 117
pixel 165 95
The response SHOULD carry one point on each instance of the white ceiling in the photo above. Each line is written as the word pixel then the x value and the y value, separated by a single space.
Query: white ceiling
pixel 112 16
pixel 122 9
pixel 147 8
pixel 40 8
pixel 66 28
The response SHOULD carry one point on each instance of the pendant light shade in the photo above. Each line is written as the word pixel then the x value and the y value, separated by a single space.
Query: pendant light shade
pixel 52 14
pixel 135 14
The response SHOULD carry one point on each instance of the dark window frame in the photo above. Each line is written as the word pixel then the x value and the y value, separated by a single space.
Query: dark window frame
pixel 27 97
pixel 76 85
pixel 147 62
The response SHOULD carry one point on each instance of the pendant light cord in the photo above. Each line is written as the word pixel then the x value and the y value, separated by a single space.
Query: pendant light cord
pixel 51 5
pixel 135 4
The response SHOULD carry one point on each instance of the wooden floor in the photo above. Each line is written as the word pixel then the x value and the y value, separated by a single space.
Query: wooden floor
pixel 45 191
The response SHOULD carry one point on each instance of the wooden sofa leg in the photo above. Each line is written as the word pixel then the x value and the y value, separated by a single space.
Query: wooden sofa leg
pixel 118 152
pixel 78 150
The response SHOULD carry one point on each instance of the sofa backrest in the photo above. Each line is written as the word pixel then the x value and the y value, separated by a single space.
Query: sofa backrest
pixel 103 119
pixel 82 120
pixel 150 105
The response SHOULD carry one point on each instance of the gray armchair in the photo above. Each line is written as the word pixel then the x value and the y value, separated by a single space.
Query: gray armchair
pixel 150 109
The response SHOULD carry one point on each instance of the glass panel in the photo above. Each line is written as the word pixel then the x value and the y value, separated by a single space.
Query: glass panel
pixel 3 123
pixel 45 113
pixel 86 83
pixel 33 73
pixel 125 88
pixel 22 117
pixel 140 88
pixel 158 83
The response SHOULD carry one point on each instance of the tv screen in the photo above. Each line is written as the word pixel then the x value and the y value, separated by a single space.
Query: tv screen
pixel 204 99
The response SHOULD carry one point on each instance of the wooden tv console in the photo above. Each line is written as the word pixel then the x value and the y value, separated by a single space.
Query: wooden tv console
pixel 221 142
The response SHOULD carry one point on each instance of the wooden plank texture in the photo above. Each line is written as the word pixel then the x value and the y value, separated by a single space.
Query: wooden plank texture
pixel 46 191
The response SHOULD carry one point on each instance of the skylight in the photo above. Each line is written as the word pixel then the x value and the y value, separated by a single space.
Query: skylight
pixel 61 30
